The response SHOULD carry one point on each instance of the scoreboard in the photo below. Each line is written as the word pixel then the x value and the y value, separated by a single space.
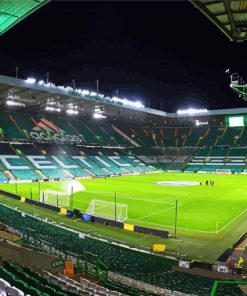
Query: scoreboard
pixel 236 120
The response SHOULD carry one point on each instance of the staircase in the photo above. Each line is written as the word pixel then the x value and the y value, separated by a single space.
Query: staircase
pixel 127 138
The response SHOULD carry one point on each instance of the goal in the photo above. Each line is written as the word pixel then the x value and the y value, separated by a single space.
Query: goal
pixel 108 210
pixel 55 198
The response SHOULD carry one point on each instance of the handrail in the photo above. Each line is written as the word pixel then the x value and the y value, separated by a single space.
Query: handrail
pixel 217 283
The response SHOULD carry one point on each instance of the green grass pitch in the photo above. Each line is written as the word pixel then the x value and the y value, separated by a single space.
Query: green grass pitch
pixel 201 209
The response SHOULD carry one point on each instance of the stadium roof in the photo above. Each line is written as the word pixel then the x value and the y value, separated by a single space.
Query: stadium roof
pixel 240 89
pixel 35 96
pixel 230 16
pixel 14 11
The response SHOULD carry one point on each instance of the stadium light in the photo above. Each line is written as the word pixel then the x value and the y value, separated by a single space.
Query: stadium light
pixel 30 80
pixel 13 103
pixel 72 112
pixel 199 123
pixel 191 111
pixel 136 104
pixel 85 92
pixel 48 108
pixel 98 116
pixel 41 82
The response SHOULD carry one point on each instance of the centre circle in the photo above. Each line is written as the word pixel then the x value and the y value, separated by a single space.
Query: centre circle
pixel 177 183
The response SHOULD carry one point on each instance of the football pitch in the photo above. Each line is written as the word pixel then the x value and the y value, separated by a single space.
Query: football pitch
pixel 201 208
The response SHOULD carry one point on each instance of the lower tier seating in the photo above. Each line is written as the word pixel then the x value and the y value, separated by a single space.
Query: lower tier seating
pixel 147 268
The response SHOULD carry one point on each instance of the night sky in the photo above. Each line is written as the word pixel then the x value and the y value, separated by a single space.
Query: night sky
pixel 153 51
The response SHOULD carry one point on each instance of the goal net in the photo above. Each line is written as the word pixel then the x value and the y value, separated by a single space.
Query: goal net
pixel 108 210
pixel 55 198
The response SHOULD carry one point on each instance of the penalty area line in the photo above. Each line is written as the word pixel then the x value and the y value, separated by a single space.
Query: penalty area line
pixel 230 222
pixel 129 197
pixel 154 213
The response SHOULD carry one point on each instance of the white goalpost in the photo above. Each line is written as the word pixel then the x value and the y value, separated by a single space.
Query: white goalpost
pixel 108 210
pixel 55 198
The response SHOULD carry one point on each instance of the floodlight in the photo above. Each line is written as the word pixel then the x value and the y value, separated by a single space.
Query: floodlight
pixel 200 123
pixel 14 103
pixel 72 112
pixel 41 82
pixel 10 103
pixel 49 108
pixel 85 92
pixel 30 80
pixel 98 116
pixel 136 104
pixel 191 111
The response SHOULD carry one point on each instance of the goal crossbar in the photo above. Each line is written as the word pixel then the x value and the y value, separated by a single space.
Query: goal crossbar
pixel 108 210
pixel 55 198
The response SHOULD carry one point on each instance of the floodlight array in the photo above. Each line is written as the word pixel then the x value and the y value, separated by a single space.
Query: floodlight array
pixel 15 103
pixel 50 108
pixel 30 80
pixel 85 92
pixel 72 112
pixel 191 111
pixel 98 116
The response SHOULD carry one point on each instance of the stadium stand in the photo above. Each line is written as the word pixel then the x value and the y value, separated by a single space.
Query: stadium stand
pixel 9 127
pixel 230 136
pixel 184 148
pixel 45 160
pixel 52 148
pixel 211 137
pixel 194 137
pixel 143 267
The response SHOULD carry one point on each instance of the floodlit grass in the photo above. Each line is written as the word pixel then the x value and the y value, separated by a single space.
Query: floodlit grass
pixel 201 209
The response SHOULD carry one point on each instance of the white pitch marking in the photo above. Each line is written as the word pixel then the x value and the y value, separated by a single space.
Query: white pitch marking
pixel 137 199
pixel 154 213
pixel 230 222
pixel 169 226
